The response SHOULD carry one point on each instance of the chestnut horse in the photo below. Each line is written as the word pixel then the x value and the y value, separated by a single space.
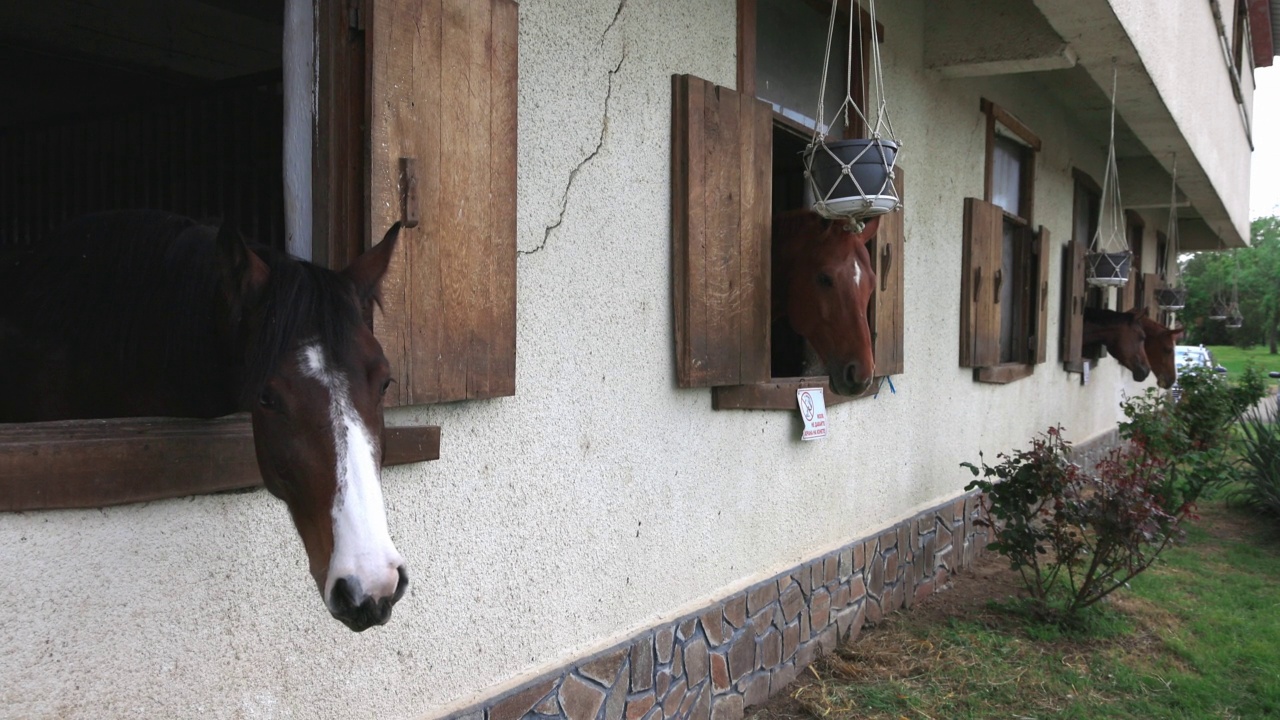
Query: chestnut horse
pixel 144 313
pixel 823 281
pixel 1123 336
pixel 1159 346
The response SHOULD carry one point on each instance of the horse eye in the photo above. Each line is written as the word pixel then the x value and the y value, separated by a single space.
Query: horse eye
pixel 385 384
pixel 825 280
pixel 267 400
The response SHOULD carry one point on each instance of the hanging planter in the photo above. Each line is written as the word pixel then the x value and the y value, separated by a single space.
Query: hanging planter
pixel 852 179
pixel 1235 322
pixel 1109 262
pixel 858 174
pixel 1171 298
pixel 1174 297
pixel 1219 310
pixel 1108 269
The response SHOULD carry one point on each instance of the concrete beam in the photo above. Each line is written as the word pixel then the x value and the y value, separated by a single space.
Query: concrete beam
pixel 1144 184
pixel 971 38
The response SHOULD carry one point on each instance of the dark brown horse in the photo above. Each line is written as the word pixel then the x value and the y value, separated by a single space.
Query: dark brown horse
pixel 150 314
pixel 1123 336
pixel 1159 346
pixel 823 282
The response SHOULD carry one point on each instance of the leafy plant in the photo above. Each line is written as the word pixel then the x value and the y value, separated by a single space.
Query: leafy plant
pixel 1069 532
pixel 1260 465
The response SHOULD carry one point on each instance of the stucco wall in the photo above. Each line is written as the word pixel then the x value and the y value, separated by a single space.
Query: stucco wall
pixel 1180 49
pixel 600 498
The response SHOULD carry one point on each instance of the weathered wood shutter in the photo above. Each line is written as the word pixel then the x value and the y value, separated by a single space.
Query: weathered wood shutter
pixel 1040 250
pixel 887 259
pixel 442 84
pixel 1150 283
pixel 1073 299
pixel 979 294
pixel 1128 292
pixel 721 188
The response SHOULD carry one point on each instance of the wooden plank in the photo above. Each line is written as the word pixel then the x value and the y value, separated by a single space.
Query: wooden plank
pixel 887 302
pixel 1073 300
pixel 687 233
pixel 503 104
pixel 755 220
pixel 747 47
pixel 979 312
pixel 97 463
pixel 778 394
pixel 1003 373
pixel 338 215
pixel 723 258
pixel 1040 295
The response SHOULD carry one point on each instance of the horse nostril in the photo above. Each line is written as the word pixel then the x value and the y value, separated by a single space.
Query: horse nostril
pixel 342 600
pixel 402 585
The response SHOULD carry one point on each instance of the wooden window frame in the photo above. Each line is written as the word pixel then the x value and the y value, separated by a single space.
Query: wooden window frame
pixel 779 393
pixel 1076 293
pixel 97 463
pixel 1028 265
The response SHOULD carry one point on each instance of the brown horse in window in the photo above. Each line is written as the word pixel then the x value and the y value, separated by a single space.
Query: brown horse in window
pixel 1160 346
pixel 823 282
pixel 1122 334
pixel 145 313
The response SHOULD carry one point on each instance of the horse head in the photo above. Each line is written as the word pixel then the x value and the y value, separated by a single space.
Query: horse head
pixel 1160 347
pixel 825 284
pixel 1123 335
pixel 314 378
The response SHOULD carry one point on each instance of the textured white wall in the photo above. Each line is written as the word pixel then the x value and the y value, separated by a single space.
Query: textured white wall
pixel 600 498
pixel 1179 46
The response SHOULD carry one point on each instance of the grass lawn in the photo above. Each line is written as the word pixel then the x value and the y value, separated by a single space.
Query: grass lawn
pixel 1197 636
pixel 1235 359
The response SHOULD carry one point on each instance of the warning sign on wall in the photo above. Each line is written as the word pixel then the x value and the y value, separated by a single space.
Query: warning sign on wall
pixel 813 410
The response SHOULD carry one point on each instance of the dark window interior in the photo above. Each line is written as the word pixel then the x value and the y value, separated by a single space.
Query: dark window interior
pixel 162 104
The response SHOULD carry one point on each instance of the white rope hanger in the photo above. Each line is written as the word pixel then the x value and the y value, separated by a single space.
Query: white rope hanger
pixel 834 178
pixel 1110 257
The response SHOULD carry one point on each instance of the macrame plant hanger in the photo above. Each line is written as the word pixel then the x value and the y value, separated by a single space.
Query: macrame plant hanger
pixel 1220 306
pixel 853 179
pixel 1110 258
pixel 1234 319
pixel 1173 297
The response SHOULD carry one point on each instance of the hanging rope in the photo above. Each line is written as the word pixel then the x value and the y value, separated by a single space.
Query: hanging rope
pixel 1110 257
pixel 853 179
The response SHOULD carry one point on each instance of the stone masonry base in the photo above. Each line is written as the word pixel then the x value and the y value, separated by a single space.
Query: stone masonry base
pixel 713 664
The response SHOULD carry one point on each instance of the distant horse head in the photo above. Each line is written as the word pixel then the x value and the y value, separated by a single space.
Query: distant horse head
pixel 823 283
pixel 143 313
pixel 1160 348
pixel 315 378
pixel 1122 334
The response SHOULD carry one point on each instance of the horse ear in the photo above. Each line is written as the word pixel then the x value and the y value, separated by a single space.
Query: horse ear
pixel 367 270
pixel 244 274
pixel 1177 332
pixel 1139 313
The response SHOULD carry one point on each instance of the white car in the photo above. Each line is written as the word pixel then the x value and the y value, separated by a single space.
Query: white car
pixel 1185 356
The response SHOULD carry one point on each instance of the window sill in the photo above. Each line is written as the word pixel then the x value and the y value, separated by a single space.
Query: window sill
pixel 778 395
pixel 1003 374
pixel 96 463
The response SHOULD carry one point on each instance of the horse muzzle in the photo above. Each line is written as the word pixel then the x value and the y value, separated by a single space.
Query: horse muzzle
pixel 850 379
pixel 360 610
pixel 1141 374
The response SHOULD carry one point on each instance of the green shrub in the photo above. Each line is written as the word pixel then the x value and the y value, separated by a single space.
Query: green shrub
pixel 1259 475
pixel 1070 533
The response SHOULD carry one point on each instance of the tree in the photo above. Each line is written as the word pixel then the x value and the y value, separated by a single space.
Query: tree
pixel 1211 276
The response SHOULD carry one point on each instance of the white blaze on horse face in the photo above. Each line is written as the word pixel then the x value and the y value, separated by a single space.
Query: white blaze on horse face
pixel 362 546
pixel 857 274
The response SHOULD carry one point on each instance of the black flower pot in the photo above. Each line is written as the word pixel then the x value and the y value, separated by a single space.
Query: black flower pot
pixel 1171 298
pixel 866 189
pixel 1108 269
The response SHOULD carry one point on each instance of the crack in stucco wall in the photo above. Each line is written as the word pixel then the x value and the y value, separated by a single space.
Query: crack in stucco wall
pixel 604 132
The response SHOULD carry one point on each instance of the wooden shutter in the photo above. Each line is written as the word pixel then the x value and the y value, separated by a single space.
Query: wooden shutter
pixel 1127 292
pixel 887 260
pixel 1073 299
pixel 979 312
pixel 1150 283
pixel 1039 309
pixel 721 190
pixel 442 148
